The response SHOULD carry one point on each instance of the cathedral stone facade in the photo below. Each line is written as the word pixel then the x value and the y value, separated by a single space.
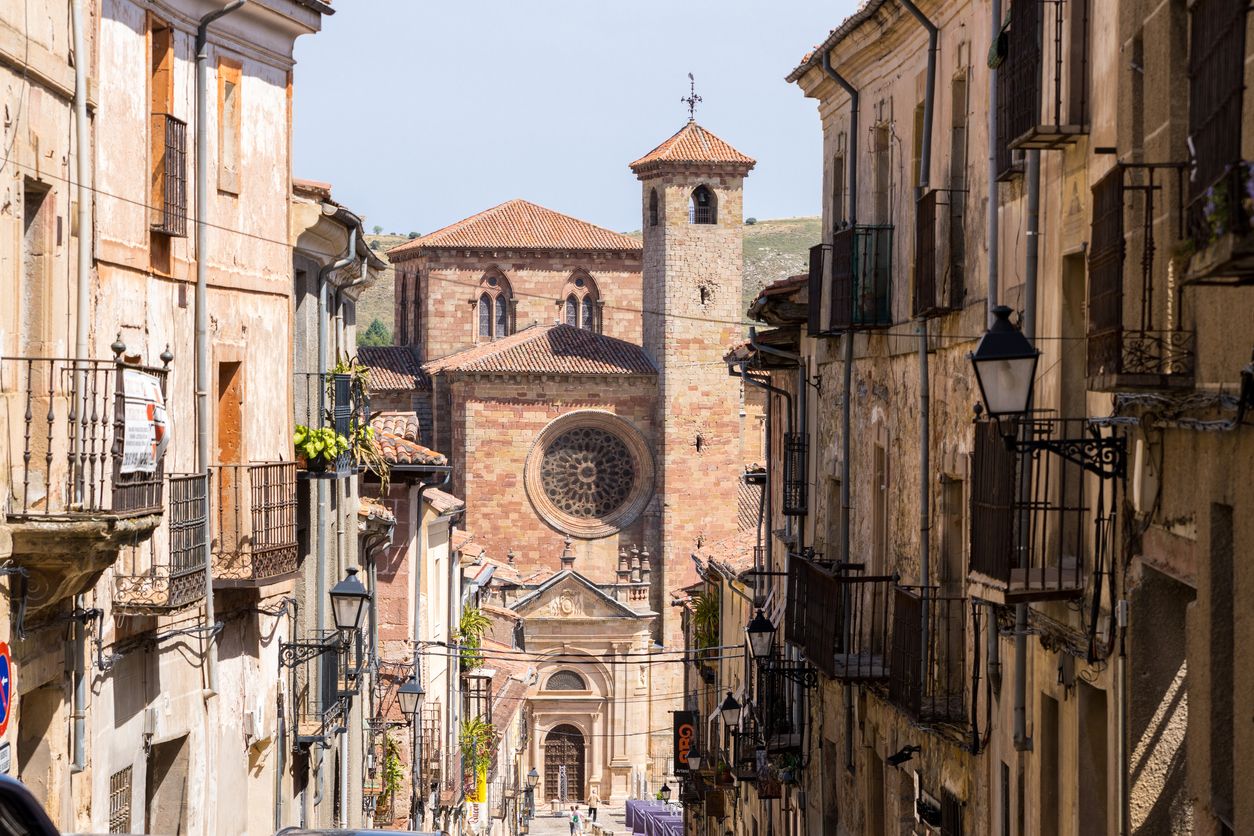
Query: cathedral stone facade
pixel 575 379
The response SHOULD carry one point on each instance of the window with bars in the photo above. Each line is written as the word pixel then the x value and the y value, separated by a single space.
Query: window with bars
pixel 702 208
pixel 120 801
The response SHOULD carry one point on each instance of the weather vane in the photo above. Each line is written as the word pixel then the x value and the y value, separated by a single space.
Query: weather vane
pixel 692 98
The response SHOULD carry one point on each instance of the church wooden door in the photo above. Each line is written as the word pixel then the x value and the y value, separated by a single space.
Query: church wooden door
pixel 563 747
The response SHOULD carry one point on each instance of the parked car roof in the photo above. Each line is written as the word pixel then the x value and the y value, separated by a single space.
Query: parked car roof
pixel 300 831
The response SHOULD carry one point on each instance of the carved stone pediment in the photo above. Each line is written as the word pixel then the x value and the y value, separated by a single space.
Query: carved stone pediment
pixel 570 595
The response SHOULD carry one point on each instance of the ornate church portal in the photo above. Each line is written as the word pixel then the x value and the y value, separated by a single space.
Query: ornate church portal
pixel 563 763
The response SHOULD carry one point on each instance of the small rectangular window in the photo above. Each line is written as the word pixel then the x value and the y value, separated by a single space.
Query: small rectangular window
pixel 120 801
pixel 229 112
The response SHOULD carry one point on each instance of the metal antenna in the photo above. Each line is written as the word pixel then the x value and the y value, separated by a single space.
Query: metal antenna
pixel 692 98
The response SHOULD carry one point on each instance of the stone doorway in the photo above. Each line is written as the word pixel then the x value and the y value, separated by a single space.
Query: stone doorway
pixel 564 747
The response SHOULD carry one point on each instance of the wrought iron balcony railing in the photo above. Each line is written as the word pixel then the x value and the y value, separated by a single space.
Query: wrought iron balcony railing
pixel 335 401
pixel 1039 520
pixel 1128 300
pixel 928 672
pixel 938 253
pixel 842 621
pixel 88 439
pixel 254 523
pixel 1046 73
pixel 781 703
pixel 175 578
pixel 169 187
pixel 861 278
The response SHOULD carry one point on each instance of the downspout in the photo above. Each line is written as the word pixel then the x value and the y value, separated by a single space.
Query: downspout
pixel 993 219
pixel 801 406
pixel 82 337
pixel 925 436
pixel 1021 741
pixel 202 312
pixel 846 501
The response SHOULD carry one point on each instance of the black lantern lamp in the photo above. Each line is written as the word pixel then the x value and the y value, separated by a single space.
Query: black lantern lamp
pixel 410 696
pixel 533 778
pixel 348 602
pixel 761 634
pixel 665 793
pixel 1005 367
pixel 730 709
pixel 694 760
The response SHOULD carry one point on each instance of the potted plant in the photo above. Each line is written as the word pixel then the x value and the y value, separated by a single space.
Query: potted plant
pixel 787 768
pixel 318 446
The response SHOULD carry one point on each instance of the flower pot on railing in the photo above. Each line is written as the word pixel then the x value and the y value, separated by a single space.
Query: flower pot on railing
pixel 318 447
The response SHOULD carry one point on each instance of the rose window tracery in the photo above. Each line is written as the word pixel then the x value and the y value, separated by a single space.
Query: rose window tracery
pixel 587 472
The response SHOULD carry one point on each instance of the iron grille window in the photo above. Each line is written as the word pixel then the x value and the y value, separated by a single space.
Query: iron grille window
pixel 781 705
pixel 477 697
pixel 1216 86
pixel 938 280
pixel 795 450
pixel 254 536
pixel 189 512
pixel 861 286
pixel 120 801
pixel 169 215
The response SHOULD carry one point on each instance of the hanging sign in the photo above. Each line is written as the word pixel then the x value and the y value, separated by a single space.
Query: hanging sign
pixel 146 425
pixel 685 737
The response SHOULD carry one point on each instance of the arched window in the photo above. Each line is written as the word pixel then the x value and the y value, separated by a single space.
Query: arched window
pixel 588 316
pixel 566 681
pixel 702 208
pixel 494 307
pixel 485 317
pixel 572 311
pixel 653 207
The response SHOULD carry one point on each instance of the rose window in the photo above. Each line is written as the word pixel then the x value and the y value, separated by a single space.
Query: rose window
pixel 587 472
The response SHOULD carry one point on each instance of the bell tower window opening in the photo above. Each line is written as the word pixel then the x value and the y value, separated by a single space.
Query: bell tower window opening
pixel 653 207
pixel 702 208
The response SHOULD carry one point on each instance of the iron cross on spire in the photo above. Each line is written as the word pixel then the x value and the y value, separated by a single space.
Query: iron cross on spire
pixel 691 99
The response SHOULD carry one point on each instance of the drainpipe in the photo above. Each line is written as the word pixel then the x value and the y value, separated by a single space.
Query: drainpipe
pixel 82 338
pixel 993 220
pixel 801 404
pixel 1021 741
pixel 202 308
pixel 846 501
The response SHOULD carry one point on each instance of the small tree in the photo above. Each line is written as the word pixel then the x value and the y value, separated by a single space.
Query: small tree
pixel 377 229
pixel 413 235
pixel 376 334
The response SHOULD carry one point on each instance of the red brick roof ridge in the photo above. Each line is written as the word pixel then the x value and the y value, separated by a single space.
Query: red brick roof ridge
pixel 523 225
pixel 694 144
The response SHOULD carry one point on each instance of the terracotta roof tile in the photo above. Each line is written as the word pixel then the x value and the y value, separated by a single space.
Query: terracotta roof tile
pixel 734 552
pixel 461 539
pixel 442 501
pixel 865 11
pixel 393 368
pixel 550 349
pixel 521 225
pixel 693 144
pixel 399 450
pixel 400 424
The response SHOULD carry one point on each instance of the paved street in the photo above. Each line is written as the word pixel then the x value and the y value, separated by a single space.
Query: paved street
pixel 611 820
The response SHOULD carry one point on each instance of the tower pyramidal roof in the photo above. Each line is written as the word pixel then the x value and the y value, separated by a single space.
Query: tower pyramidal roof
pixel 694 145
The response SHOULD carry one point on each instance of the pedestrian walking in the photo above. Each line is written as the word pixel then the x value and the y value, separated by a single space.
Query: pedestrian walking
pixel 594 801
pixel 574 820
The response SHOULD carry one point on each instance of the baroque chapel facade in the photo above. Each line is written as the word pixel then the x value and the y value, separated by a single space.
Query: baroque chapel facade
pixel 574 378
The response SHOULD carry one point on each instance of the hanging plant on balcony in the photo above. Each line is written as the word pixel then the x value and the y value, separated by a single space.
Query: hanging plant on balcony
pixel 786 767
pixel 364 447
pixel 393 778
pixel 318 447
pixel 477 739
pixel 471 628
pixel 705 619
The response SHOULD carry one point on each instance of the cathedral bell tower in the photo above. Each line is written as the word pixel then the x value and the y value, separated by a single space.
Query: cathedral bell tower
pixel 693 310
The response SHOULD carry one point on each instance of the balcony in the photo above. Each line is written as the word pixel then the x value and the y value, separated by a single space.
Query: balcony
pixel 1129 301
pixel 1220 211
pixel 840 621
pixel 254 526
pixel 84 474
pixel 861 278
pixel 176 580
pixel 929 675
pixel 1037 515
pixel 337 401
pixel 795 484
pixel 323 674
pixel 781 704
pixel 939 248
pixel 1043 84
pixel 169 179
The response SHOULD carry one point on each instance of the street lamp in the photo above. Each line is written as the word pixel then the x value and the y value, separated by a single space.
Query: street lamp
pixel 730 709
pixel 665 793
pixel 348 602
pixel 694 760
pixel 410 696
pixel 533 778
pixel 1005 367
pixel 761 634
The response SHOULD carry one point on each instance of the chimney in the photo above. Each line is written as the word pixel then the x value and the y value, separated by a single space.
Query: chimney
pixel 568 557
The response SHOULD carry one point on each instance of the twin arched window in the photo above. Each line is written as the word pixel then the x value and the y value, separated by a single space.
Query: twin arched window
pixel 493 308
pixel 579 303
pixel 702 207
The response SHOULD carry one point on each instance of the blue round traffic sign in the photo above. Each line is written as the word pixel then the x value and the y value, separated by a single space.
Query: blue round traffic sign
pixel 6 687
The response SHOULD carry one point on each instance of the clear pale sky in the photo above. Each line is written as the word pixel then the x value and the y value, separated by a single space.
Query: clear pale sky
pixel 421 113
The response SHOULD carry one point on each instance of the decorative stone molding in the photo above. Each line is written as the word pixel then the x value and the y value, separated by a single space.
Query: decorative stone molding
pixel 589 473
